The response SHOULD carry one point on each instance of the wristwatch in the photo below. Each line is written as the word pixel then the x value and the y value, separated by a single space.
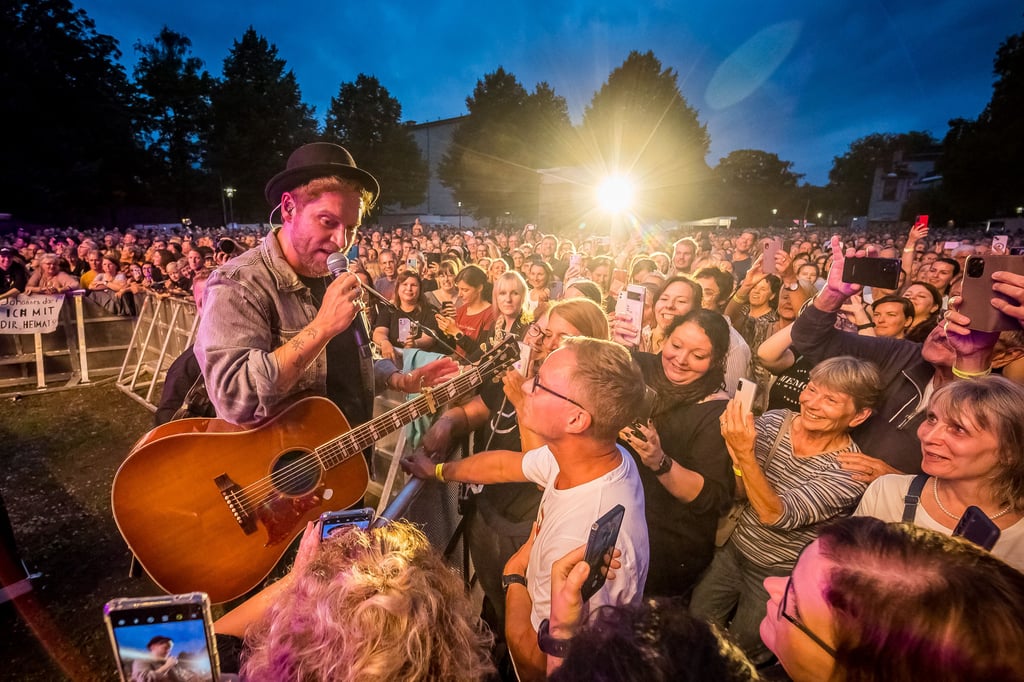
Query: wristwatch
pixel 664 467
pixel 559 648
pixel 510 578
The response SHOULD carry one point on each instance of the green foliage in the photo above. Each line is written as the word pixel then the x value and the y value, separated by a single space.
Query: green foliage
pixel 751 182
pixel 852 173
pixel 640 124
pixel 172 115
pixel 981 158
pixel 259 118
pixel 365 119
pixel 495 152
pixel 70 151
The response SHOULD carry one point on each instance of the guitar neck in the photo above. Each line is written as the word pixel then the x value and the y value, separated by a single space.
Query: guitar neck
pixel 336 451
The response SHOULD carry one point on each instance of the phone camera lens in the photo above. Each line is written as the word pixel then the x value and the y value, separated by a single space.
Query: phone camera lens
pixel 975 267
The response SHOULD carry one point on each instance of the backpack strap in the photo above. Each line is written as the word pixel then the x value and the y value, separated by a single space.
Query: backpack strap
pixel 912 497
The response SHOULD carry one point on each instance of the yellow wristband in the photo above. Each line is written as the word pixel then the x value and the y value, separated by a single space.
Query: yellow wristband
pixel 439 472
pixel 962 374
pixel 736 470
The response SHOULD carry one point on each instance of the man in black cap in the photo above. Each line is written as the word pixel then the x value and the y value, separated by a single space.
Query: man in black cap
pixel 13 276
pixel 276 325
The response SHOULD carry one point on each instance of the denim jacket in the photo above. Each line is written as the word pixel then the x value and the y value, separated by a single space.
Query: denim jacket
pixel 254 304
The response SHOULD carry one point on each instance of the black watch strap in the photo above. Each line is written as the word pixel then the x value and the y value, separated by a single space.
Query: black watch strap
pixel 510 578
pixel 664 467
pixel 558 648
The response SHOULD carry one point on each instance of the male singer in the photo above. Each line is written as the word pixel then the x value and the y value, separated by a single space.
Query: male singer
pixel 277 326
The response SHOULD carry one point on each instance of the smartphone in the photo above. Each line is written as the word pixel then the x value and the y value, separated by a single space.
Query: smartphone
pixel 745 392
pixel 949 246
pixel 413 263
pixel 631 302
pixel 976 526
pixel 448 309
pixel 769 247
pixel 1000 244
pixel 1017 250
pixel 332 521
pixel 977 293
pixel 403 329
pixel 921 220
pixel 883 273
pixel 522 365
pixel 600 544
pixel 434 258
pixel 167 635
pixel 575 260
pixel 646 411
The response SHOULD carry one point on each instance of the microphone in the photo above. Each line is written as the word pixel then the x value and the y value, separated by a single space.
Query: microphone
pixel 337 263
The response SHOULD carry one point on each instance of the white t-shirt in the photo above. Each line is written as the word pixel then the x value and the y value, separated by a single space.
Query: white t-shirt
pixel 564 520
pixel 884 500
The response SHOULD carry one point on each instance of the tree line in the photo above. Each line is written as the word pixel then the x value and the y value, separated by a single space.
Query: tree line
pixel 91 144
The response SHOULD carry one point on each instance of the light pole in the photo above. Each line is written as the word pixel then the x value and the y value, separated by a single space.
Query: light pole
pixel 230 192
pixel 460 216
pixel 775 212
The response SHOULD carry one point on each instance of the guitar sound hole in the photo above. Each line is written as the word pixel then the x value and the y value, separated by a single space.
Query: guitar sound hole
pixel 295 473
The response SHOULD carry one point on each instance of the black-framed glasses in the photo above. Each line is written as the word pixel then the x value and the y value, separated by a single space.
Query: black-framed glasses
pixel 783 606
pixel 537 384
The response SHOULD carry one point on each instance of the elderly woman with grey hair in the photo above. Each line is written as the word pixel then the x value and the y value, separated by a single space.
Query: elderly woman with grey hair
pixel 787 468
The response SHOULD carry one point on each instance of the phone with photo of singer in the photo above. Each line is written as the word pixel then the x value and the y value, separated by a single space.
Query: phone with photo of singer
pixel 166 637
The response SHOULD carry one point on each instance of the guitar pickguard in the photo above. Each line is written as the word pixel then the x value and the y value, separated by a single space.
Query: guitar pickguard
pixel 280 513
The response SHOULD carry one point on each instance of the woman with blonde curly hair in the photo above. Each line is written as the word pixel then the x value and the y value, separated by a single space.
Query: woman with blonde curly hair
pixel 379 604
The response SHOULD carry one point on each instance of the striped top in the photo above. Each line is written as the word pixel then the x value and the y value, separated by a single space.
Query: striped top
pixel 813 490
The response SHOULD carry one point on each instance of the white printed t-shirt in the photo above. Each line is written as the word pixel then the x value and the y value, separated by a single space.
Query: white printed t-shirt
pixel 564 520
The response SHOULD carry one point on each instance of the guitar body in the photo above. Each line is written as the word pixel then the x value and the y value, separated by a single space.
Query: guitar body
pixel 207 509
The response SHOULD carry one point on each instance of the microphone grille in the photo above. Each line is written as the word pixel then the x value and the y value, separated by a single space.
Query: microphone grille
pixel 337 263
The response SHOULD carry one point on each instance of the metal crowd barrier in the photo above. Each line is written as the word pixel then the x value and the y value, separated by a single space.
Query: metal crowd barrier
pixel 89 343
pixel 164 328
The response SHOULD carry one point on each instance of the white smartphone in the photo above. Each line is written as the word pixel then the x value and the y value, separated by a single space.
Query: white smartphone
pixel 631 302
pixel 403 329
pixel 171 635
pixel 999 244
pixel 522 365
pixel 745 392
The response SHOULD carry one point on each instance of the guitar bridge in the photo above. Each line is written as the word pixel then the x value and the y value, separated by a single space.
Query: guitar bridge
pixel 233 497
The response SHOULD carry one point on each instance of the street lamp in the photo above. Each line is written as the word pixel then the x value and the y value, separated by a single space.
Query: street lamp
pixel 460 216
pixel 230 192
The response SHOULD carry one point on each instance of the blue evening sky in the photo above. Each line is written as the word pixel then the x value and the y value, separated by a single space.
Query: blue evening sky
pixel 801 79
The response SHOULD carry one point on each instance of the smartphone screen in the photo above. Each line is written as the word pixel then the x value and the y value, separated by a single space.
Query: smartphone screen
pixel 603 535
pixel 170 633
pixel 332 521
pixel 999 244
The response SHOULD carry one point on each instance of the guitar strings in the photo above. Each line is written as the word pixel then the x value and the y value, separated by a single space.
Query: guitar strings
pixel 261 490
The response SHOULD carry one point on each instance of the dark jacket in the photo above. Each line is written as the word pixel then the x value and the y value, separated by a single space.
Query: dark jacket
pixel 890 434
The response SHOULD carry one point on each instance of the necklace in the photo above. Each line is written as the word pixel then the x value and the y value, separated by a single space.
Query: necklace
pixel 935 492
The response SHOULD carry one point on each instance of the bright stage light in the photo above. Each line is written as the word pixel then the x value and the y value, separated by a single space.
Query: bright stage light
pixel 615 194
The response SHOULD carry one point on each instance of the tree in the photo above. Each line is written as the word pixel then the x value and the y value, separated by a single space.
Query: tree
pixel 752 182
pixel 640 124
pixel 259 119
pixel 365 119
pixel 980 162
pixel 172 109
pixel 853 173
pixel 70 153
pixel 491 165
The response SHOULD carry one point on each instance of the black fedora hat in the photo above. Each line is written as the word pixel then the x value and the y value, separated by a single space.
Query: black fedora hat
pixel 318 160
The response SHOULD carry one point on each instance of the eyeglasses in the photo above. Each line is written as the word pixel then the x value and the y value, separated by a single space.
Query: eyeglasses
pixel 800 626
pixel 537 384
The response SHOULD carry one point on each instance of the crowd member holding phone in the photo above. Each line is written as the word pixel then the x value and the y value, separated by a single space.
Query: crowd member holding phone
pixel 502 513
pixel 869 600
pixel 446 295
pixel 909 372
pixel 583 394
pixel 402 327
pixel 471 318
pixel 680 453
pixel 678 296
pixel 972 452
pixel 787 467
pixel 378 604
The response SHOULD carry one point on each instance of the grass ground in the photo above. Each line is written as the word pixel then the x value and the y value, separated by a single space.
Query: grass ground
pixel 58 455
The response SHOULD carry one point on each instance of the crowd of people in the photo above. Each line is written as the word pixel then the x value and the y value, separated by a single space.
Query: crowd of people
pixel 759 538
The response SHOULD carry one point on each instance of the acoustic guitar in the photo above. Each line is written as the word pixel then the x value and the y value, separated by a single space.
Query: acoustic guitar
pixel 207 507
